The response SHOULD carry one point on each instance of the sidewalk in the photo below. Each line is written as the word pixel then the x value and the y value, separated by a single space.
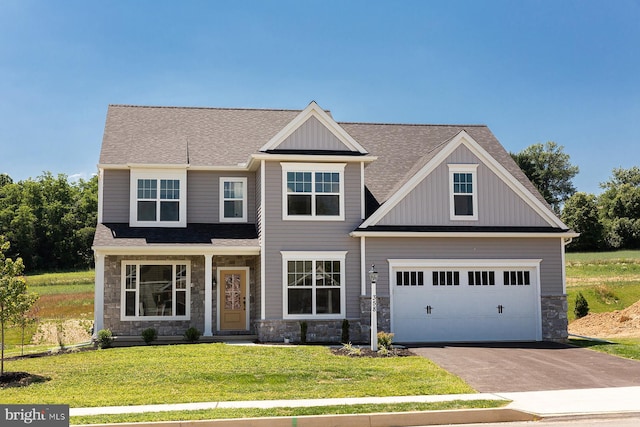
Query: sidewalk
pixel 539 403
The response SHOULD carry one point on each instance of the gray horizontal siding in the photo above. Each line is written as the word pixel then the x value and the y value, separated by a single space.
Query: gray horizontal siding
pixel 312 135
pixel 428 203
pixel 379 250
pixel 115 196
pixel 203 196
pixel 310 236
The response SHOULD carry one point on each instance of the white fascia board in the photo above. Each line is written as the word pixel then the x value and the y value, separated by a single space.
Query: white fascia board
pixel 464 138
pixel 310 158
pixel 176 250
pixel 465 234
pixel 313 110
pixel 512 182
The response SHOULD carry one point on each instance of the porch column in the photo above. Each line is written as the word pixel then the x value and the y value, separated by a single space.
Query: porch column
pixel 98 310
pixel 208 294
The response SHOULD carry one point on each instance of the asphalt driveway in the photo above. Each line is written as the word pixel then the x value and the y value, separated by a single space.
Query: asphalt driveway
pixel 513 367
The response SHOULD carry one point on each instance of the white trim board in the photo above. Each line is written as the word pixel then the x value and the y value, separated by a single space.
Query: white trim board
pixel 314 110
pixel 463 138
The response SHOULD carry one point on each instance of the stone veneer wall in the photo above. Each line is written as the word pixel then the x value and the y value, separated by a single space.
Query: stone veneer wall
pixel 112 298
pixel 554 318
pixel 113 285
pixel 277 330
pixel 230 261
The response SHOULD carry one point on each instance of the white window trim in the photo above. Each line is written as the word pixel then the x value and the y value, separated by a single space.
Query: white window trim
pixel 312 167
pixel 314 256
pixel 123 285
pixel 157 174
pixel 463 168
pixel 243 180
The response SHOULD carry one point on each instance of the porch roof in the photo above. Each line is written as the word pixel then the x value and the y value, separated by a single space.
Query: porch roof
pixel 121 235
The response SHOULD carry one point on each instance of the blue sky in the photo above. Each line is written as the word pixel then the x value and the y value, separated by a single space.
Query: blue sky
pixel 533 71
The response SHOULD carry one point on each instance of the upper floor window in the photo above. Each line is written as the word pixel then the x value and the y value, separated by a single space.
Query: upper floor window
pixel 463 192
pixel 313 191
pixel 233 199
pixel 158 198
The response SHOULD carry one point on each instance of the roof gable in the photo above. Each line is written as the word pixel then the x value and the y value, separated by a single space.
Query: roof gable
pixel 313 121
pixel 432 160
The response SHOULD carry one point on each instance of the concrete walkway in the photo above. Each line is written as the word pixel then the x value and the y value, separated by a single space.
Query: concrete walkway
pixel 541 403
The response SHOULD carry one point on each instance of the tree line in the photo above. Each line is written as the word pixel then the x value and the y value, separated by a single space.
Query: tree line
pixel 50 221
pixel 610 220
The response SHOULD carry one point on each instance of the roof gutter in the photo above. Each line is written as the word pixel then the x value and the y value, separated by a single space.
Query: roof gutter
pixel 463 234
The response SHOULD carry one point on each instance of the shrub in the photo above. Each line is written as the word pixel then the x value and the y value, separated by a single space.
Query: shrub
pixel 351 350
pixel 192 334
pixel 582 306
pixel 385 339
pixel 345 331
pixel 303 332
pixel 149 335
pixel 104 338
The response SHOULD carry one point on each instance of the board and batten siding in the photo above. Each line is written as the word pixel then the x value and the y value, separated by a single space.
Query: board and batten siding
pixel 203 196
pixel 115 196
pixel 379 250
pixel 312 135
pixel 310 236
pixel 428 203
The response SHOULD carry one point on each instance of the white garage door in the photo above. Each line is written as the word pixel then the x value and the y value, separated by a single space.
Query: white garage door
pixel 486 301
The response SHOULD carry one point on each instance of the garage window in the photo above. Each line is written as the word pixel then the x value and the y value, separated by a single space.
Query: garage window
pixel 482 278
pixel 446 278
pixel 517 278
pixel 410 278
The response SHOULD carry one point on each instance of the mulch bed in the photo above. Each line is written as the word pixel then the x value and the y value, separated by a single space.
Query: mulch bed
pixel 367 352
pixel 20 379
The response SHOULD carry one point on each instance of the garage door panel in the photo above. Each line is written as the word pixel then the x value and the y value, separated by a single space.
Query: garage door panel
pixel 476 309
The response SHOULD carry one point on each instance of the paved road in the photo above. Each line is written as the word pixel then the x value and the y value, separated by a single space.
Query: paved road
pixel 596 421
pixel 506 367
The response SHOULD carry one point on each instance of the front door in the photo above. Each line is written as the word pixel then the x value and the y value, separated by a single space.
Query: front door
pixel 233 299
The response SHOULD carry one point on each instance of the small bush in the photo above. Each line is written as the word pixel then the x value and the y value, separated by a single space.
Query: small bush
pixel 104 338
pixel 385 339
pixel 582 306
pixel 192 334
pixel 149 335
pixel 345 331
pixel 351 350
pixel 303 332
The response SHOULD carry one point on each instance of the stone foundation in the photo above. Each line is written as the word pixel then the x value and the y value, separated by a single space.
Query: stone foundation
pixel 320 331
pixel 554 318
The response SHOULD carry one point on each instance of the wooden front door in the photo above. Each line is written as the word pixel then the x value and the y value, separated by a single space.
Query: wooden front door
pixel 233 299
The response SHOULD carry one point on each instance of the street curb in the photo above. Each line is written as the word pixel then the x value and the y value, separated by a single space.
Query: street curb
pixel 386 419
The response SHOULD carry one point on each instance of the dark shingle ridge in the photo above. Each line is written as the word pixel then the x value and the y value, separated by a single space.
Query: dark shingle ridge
pixel 173 107
pixel 452 125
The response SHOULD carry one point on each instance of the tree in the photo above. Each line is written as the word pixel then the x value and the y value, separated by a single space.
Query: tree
pixel 15 301
pixel 620 208
pixel 580 213
pixel 549 169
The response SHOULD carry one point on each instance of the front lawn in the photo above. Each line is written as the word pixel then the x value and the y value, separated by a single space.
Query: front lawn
pixel 623 347
pixel 220 372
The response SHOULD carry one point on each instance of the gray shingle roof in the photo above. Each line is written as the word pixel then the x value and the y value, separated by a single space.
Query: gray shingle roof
pixel 227 137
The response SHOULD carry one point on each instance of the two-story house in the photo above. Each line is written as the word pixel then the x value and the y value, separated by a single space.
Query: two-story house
pixel 251 221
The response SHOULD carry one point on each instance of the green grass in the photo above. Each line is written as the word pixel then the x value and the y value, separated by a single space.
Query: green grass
pixel 212 414
pixel 623 347
pixel 604 298
pixel 61 279
pixel 587 257
pixel 219 372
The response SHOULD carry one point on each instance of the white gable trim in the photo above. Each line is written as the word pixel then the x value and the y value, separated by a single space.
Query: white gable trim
pixel 313 110
pixel 463 138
